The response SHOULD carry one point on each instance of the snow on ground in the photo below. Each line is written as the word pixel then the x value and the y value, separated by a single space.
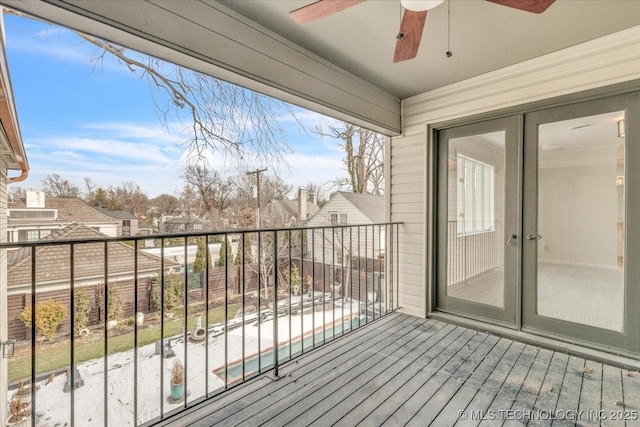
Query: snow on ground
pixel 53 405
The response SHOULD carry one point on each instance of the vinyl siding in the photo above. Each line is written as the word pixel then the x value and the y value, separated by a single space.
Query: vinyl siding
pixel 340 205
pixel 408 198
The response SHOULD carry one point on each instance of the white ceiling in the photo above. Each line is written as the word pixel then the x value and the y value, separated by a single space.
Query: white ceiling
pixel 484 36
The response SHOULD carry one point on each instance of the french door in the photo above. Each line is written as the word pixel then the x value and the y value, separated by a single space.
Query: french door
pixel 478 237
pixel 537 219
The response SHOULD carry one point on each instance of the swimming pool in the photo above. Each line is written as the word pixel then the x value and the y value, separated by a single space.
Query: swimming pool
pixel 255 363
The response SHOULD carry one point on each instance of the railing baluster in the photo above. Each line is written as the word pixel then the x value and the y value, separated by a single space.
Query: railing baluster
pixel 398 264
pixel 366 276
pixel 162 279
pixel 324 287
pixel 275 305
pixel 33 334
pixel 105 384
pixel 206 316
pixel 343 252
pixel 350 290
pixel 72 326
pixel 380 271
pixel 135 332
pixel 333 283
pixel 259 270
pixel 186 318
pixel 289 291
pixel 313 288
pixel 301 306
pixel 359 279
pixel 226 312
pixel 243 290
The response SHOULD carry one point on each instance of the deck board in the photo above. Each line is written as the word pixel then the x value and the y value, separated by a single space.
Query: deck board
pixel 401 370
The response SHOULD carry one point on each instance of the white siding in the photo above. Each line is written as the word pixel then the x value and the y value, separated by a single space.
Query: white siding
pixel 598 63
pixel 407 181
pixel 340 204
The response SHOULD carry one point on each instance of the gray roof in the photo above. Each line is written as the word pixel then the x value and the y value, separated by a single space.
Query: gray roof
pixel 291 208
pixel 69 210
pixel 369 204
pixel 52 262
pixel 115 214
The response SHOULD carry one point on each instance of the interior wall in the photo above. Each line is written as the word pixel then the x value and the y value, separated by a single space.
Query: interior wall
pixel 599 63
pixel 579 207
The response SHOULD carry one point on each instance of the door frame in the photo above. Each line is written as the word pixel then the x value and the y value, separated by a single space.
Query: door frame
pixel 432 214
pixel 509 314
pixel 629 338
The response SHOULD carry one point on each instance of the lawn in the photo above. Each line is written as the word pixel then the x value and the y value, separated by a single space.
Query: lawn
pixel 58 357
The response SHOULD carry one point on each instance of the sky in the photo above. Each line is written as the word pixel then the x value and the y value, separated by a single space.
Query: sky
pixel 82 119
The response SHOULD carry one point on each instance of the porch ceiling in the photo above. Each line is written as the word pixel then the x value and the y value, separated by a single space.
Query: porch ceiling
pixel 340 65
pixel 484 36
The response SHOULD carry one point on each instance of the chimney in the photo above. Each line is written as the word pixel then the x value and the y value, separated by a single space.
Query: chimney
pixel 35 199
pixel 302 203
pixel 314 198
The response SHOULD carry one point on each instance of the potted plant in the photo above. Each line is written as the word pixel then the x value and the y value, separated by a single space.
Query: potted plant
pixel 177 380
pixel 23 393
pixel 19 413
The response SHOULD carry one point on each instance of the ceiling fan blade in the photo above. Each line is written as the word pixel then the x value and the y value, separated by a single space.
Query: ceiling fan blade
pixel 321 9
pixel 533 6
pixel 410 35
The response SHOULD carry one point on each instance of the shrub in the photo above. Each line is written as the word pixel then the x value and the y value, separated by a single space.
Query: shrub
pixel 82 309
pixel 296 281
pixel 114 303
pixel 49 314
pixel 173 291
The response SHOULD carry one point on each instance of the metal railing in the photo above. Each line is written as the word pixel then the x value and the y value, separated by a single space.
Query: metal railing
pixel 470 254
pixel 266 297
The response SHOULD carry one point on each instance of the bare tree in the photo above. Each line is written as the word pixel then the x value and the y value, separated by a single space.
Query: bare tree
pixel 319 190
pixel 132 198
pixel 223 118
pixel 90 186
pixel 213 190
pixel 364 161
pixel 56 186
pixel 165 204
pixel 126 197
pixel 17 192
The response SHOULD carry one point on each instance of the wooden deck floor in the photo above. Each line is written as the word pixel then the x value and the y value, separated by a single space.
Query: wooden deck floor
pixel 401 370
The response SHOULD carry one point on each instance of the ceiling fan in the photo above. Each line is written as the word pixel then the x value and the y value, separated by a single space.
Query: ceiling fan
pixel 413 19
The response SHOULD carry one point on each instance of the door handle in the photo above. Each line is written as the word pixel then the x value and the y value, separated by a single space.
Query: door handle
pixel 512 239
pixel 534 237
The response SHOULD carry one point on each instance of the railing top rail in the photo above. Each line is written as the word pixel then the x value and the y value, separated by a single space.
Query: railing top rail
pixel 52 242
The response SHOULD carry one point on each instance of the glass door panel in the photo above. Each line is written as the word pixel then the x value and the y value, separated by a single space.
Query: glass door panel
pixel 478 209
pixel 581 166
pixel 579 222
pixel 475 227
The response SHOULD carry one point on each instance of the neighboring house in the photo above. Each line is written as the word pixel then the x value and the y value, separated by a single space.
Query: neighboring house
pixel 12 157
pixel 180 224
pixel 37 216
pixel 52 276
pixel 354 210
pixel 128 223
pixel 290 213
